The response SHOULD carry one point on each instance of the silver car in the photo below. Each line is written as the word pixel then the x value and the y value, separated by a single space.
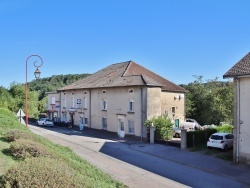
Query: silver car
pixel 45 122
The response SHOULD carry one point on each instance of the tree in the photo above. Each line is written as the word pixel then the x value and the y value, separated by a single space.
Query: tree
pixel 209 102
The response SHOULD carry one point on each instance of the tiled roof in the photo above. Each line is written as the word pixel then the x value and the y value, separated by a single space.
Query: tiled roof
pixel 124 74
pixel 241 68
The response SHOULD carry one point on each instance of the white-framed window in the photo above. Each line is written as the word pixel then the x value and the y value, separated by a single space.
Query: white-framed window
pixel 53 100
pixel 64 117
pixel 104 123
pixel 131 105
pixel 64 103
pixel 85 102
pixel 78 103
pixel 72 102
pixel 131 127
pixel 104 104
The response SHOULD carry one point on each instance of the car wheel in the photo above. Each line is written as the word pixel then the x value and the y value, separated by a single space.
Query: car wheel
pixel 225 148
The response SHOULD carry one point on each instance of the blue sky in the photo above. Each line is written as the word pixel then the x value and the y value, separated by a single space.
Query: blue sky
pixel 174 38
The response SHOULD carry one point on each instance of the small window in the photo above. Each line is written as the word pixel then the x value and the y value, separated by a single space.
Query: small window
pixel 103 91
pixel 104 123
pixel 64 93
pixel 86 121
pixel 130 91
pixel 78 102
pixel 85 92
pixel 85 102
pixel 173 110
pixel 131 106
pixel 104 104
pixel 72 93
pixel 53 100
pixel 131 127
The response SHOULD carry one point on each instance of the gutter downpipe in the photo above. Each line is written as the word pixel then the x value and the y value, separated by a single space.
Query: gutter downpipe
pixel 90 108
pixel 238 119
pixel 141 114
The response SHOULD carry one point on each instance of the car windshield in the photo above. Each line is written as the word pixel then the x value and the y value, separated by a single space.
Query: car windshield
pixel 216 137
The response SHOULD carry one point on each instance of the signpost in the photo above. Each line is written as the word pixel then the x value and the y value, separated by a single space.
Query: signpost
pixel 20 114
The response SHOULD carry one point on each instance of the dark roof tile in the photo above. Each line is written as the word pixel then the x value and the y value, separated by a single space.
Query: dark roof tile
pixel 124 74
pixel 241 68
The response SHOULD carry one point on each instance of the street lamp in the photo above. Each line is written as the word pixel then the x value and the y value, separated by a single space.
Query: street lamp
pixel 37 75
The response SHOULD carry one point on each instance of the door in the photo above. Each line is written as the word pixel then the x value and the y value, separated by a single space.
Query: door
pixel 121 126
pixel 176 122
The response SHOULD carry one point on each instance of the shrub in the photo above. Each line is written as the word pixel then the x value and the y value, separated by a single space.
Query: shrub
pixel 225 128
pixel 163 127
pixel 23 148
pixel 196 138
pixel 41 172
pixel 15 134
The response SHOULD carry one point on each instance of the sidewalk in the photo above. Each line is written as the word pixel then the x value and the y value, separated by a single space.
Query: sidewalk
pixel 238 172
pixel 210 164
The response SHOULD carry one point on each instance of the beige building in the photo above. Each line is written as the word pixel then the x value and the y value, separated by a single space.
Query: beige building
pixel 118 98
pixel 240 72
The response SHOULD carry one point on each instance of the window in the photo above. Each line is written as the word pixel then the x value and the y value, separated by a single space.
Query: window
pixel 131 106
pixel 64 103
pixel 173 110
pixel 64 117
pixel 103 91
pixel 78 102
pixel 85 102
pixel 122 126
pixel 85 92
pixel 131 127
pixel 130 91
pixel 72 102
pixel 104 104
pixel 53 100
pixel 86 121
pixel 104 123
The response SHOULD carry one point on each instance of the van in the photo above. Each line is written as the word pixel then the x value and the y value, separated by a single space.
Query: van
pixel 190 124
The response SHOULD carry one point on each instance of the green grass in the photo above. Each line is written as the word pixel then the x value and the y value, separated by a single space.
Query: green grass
pixel 85 173
pixel 6 161
pixel 214 152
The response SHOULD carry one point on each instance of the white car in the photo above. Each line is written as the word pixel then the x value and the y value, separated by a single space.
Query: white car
pixel 45 122
pixel 223 141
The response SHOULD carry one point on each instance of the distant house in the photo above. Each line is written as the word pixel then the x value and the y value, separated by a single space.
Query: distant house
pixel 240 73
pixel 118 98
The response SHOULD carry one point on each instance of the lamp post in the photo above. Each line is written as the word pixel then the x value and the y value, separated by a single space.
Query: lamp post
pixel 37 75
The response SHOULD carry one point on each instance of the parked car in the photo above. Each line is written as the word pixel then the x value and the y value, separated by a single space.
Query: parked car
pixel 223 141
pixel 45 122
pixel 176 132
pixel 190 124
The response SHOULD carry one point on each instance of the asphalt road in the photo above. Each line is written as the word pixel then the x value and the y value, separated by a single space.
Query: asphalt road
pixel 133 168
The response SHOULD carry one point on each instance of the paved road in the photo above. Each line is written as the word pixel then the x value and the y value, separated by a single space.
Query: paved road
pixel 133 168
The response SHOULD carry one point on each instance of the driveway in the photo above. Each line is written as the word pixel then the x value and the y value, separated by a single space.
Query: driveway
pixel 136 163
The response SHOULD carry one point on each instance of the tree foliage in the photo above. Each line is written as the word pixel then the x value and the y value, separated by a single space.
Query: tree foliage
pixel 15 97
pixel 209 102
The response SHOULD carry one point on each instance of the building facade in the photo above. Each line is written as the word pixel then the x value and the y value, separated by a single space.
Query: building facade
pixel 119 98
pixel 240 73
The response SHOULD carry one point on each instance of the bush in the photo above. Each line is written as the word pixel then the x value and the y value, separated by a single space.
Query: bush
pixel 15 134
pixel 196 138
pixel 163 127
pixel 23 148
pixel 225 128
pixel 41 172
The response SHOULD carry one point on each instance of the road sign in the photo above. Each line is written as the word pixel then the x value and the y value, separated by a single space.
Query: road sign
pixel 20 113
